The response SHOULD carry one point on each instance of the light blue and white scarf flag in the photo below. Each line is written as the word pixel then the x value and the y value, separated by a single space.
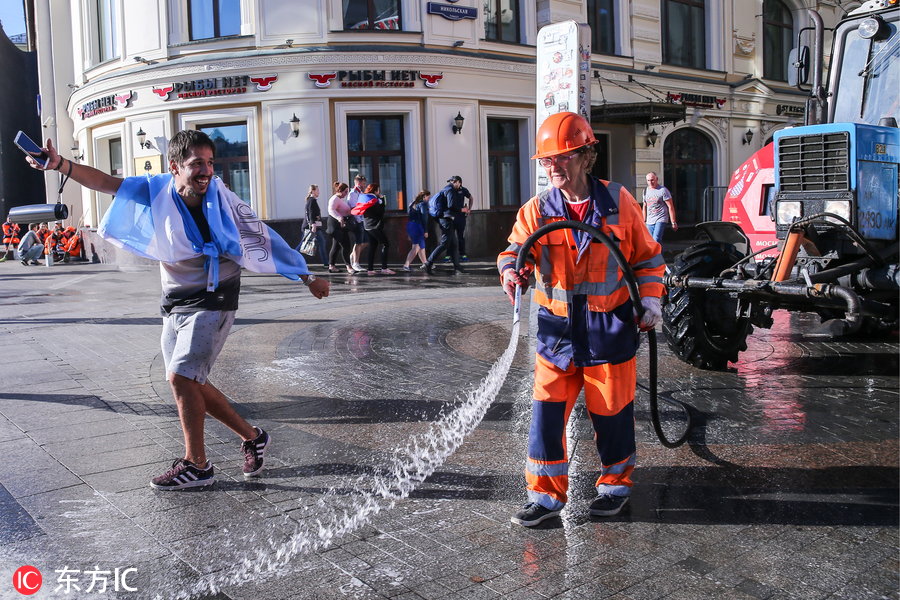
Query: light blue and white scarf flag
pixel 148 218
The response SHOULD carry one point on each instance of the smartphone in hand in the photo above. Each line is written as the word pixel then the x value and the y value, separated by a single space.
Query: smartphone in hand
pixel 28 146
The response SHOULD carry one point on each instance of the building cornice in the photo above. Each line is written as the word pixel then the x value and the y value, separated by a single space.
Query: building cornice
pixel 350 56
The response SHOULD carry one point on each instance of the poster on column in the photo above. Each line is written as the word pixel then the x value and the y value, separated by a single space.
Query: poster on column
pixel 563 75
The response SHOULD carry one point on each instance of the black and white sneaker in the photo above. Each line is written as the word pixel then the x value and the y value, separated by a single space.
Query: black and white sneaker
pixel 607 505
pixel 184 474
pixel 533 514
pixel 254 453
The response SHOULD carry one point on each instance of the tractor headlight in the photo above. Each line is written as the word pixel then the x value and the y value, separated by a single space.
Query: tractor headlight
pixel 872 28
pixel 788 211
pixel 839 207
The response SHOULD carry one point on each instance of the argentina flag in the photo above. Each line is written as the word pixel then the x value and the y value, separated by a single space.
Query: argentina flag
pixel 149 219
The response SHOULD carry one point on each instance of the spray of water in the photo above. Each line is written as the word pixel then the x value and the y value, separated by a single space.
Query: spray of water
pixel 340 514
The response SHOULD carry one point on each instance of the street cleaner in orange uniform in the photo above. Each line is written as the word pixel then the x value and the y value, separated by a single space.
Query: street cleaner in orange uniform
pixel 10 236
pixel 587 333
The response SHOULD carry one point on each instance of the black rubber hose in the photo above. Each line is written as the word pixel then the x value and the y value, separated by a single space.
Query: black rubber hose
pixel 634 293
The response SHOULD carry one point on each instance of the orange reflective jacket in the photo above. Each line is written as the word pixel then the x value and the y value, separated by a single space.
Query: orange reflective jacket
pixel 569 263
pixel 10 233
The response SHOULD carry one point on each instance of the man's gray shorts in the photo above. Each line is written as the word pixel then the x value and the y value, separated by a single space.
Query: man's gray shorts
pixel 191 342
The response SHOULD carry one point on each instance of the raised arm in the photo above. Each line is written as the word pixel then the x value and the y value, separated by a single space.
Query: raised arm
pixel 89 177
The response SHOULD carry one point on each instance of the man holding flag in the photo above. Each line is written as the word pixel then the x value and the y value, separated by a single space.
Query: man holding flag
pixel 202 234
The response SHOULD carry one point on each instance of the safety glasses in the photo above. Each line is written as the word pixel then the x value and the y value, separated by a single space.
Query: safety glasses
pixel 560 158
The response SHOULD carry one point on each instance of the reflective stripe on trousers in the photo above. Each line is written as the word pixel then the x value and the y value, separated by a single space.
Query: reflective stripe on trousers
pixel 609 398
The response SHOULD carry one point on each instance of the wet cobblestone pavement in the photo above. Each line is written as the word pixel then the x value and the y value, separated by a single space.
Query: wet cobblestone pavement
pixel 788 487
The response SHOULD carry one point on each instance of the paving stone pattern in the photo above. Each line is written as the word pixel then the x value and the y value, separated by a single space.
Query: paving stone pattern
pixel 787 488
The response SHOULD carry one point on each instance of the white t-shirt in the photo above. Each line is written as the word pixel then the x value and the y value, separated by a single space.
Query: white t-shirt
pixel 655 201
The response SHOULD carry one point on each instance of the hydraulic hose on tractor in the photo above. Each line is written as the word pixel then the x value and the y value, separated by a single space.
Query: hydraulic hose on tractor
pixel 631 283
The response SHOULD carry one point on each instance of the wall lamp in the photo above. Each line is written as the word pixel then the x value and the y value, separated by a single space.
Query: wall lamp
pixel 142 139
pixel 458 121
pixel 295 126
pixel 75 156
pixel 652 136
pixel 748 137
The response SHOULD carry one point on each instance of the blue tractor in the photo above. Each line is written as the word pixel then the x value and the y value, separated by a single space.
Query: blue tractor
pixel 835 209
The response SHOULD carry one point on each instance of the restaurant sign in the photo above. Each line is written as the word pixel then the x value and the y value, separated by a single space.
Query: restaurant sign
pixel 215 86
pixel 368 78
pixel 105 104
pixel 696 100
pixel 790 109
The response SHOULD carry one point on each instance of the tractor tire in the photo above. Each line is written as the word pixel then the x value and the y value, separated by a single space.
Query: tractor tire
pixel 702 327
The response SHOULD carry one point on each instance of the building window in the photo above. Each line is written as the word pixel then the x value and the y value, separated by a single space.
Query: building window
pixel 687 171
pixel 116 167
pixel 214 18
pixel 600 169
pixel 371 14
pixel 504 173
pixel 376 149
pixel 107 38
pixel 601 18
pixel 684 33
pixel 232 158
pixel 778 38
pixel 501 20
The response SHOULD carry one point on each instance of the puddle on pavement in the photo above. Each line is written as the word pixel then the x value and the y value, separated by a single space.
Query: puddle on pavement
pixel 340 511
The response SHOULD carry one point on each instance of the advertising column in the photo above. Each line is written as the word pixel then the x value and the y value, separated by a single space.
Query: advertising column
pixel 563 75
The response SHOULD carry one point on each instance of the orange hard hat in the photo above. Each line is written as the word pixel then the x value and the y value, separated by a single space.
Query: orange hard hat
pixel 563 132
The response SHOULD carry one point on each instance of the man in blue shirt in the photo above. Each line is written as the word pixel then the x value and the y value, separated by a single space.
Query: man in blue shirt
pixel 452 222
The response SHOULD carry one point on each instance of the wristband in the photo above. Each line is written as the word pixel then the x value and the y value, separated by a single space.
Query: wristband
pixel 309 279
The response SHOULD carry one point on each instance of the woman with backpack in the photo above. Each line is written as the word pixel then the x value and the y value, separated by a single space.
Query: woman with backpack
pixel 371 206
pixel 417 229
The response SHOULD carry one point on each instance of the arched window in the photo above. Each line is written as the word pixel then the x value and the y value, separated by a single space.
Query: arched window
pixel 687 171
pixel 778 39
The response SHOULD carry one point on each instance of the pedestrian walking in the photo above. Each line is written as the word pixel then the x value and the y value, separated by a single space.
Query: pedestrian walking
pixel 340 227
pixel 462 198
pixel 194 226
pixel 658 207
pixel 447 207
pixel 587 336
pixel 313 221
pixel 374 204
pixel 417 229
pixel 360 236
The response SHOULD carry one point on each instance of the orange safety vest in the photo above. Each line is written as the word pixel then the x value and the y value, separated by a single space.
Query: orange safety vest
pixel 73 246
pixel 10 233
pixel 565 267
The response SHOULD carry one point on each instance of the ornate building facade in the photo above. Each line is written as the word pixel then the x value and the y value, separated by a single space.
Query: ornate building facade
pixel 300 92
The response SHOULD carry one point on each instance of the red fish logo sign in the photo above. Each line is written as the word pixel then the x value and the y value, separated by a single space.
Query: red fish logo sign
pixel 164 91
pixel 431 79
pixel 264 84
pixel 124 98
pixel 322 80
